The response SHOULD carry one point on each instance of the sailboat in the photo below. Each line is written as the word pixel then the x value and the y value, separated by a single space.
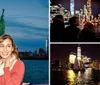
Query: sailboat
pixel 76 67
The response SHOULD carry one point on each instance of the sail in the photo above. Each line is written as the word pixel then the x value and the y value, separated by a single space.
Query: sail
pixel 76 67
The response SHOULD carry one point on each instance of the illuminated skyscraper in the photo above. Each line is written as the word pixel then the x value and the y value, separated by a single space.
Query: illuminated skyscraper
pixel 79 52
pixel 72 58
pixel 47 44
pixel 89 10
pixel 84 9
pixel 72 6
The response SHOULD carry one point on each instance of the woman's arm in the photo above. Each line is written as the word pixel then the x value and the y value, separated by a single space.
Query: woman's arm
pixel 15 77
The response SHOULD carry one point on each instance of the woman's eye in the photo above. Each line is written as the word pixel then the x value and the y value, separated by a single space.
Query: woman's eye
pixel 1 45
pixel 9 46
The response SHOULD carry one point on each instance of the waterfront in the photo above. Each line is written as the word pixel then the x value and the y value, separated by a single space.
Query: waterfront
pixel 69 77
pixel 36 71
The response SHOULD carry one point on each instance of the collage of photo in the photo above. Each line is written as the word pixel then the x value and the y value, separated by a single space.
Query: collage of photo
pixel 50 42
pixel 74 42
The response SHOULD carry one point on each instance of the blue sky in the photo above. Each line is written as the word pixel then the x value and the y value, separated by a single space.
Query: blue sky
pixel 27 22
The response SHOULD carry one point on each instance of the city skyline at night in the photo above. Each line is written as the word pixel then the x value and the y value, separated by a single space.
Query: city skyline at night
pixel 74 42
pixel 79 5
pixel 62 51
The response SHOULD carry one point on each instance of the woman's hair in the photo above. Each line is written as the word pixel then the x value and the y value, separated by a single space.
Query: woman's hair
pixel 5 36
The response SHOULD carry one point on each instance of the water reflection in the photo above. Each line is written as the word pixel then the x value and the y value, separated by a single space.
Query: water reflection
pixel 83 77
pixel 70 77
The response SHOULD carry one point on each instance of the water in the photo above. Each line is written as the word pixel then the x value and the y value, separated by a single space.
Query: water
pixel 69 77
pixel 36 71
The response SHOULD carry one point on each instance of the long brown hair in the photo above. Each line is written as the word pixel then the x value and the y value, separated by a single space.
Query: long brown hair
pixel 5 36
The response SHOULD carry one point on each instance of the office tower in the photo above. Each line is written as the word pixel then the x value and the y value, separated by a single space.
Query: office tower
pixel 89 10
pixel 79 54
pixel 72 6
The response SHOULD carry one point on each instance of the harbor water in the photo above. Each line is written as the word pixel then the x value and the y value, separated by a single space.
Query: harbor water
pixel 70 77
pixel 36 71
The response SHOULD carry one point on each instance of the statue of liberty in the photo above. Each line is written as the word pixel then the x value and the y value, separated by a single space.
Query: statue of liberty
pixel 2 23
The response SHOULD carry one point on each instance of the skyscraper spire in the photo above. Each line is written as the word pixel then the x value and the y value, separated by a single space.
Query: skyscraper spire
pixel 78 45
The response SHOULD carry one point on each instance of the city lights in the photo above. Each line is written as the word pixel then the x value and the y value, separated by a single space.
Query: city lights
pixel 72 58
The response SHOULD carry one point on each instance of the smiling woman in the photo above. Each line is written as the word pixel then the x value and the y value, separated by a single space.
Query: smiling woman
pixel 11 67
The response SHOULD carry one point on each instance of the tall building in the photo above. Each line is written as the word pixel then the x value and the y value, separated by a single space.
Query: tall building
pixel 89 9
pixel 47 46
pixel 84 9
pixel 72 7
pixel 72 58
pixel 79 54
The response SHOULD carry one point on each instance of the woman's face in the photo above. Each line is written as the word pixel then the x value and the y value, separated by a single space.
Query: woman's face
pixel 6 48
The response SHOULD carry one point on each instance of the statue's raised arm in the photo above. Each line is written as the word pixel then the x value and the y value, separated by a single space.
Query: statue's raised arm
pixel 2 16
pixel 2 23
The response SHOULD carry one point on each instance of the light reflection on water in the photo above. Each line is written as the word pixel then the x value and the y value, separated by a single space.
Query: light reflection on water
pixel 69 77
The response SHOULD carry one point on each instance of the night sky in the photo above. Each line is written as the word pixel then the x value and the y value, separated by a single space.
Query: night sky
pixel 62 51
pixel 79 4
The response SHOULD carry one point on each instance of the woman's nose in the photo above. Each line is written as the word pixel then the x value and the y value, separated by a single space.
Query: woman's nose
pixel 5 48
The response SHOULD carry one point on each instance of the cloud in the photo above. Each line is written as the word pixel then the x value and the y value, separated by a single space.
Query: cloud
pixel 21 27
pixel 27 22
pixel 33 21
pixel 26 34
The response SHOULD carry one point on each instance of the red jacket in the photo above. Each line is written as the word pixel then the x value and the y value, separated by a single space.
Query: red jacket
pixel 15 76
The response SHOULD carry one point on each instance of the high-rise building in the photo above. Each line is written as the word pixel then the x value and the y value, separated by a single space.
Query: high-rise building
pixel 79 55
pixel 72 7
pixel 47 46
pixel 89 9
pixel 72 58
pixel 79 52
pixel 84 9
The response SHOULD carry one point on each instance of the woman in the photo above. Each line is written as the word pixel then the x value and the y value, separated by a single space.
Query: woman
pixel 11 67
